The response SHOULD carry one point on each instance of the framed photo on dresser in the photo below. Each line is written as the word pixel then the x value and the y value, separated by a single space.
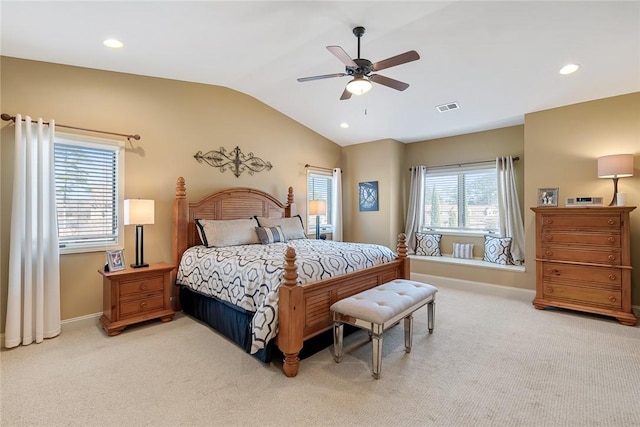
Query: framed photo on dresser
pixel 547 197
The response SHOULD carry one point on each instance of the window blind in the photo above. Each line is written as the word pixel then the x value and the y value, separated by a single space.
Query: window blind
pixel 319 187
pixel 86 194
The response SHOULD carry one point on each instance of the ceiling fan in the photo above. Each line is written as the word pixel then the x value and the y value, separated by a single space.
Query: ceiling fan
pixel 361 69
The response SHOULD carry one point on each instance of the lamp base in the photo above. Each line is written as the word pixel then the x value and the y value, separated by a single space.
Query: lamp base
pixel 139 265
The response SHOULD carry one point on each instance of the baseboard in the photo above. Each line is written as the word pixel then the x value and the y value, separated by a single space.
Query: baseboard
pixel 74 322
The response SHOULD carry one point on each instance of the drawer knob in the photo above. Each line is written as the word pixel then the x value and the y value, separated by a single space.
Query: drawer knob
pixel 612 277
pixel 612 257
pixel 551 271
pixel 549 290
pixel 143 286
pixel 611 239
pixel 548 252
pixel 549 221
pixel 143 304
pixel 611 221
pixel 548 237
pixel 612 298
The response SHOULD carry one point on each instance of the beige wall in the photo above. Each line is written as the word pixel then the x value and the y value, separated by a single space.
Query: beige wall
pixel 175 119
pixel 375 161
pixel 561 150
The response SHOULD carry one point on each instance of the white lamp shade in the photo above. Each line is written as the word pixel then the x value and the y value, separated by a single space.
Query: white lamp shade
pixel 359 85
pixel 317 207
pixel 615 166
pixel 139 211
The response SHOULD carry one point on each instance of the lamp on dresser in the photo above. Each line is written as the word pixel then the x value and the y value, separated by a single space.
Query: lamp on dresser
pixel 615 166
pixel 139 212
pixel 317 208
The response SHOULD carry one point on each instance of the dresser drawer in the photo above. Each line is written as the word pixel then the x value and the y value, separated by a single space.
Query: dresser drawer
pixel 148 284
pixel 141 305
pixel 579 221
pixel 609 256
pixel 609 239
pixel 601 297
pixel 557 272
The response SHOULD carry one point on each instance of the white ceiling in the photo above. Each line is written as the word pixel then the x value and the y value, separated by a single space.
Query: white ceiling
pixel 498 60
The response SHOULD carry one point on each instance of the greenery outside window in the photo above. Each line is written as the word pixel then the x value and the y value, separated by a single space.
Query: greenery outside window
pixel 462 199
pixel 89 176
pixel 319 187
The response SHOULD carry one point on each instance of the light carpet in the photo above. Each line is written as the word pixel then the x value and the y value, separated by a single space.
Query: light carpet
pixel 493 360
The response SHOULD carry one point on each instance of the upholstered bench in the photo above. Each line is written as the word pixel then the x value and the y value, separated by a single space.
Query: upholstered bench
pixel 379 308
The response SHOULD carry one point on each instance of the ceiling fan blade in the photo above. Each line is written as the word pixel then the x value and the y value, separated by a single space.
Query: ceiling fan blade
pixel 342 55
pixel 386 81
pixel 345 95
pixel 324 76
pixel 403 58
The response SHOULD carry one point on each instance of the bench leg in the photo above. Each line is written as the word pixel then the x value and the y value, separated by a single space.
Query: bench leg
pixel 377 349
pixel 338 329
pixel 431 312
pixel 408 332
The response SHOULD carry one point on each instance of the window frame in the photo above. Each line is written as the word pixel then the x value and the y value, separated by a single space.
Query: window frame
pixel 459 171
pixel 118 147
pixel 327 226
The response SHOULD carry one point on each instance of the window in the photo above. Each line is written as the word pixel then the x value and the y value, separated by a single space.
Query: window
pixel 89 176
pixel 461 199
pixel 319 187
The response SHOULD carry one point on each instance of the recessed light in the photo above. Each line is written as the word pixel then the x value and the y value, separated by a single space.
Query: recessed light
pixel 113 43
pixel 569 69
pixel 344 125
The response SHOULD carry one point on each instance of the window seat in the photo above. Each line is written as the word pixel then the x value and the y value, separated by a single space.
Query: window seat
pixel 474 262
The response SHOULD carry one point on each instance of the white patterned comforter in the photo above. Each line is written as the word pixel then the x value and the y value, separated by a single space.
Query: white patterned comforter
pixel 249 276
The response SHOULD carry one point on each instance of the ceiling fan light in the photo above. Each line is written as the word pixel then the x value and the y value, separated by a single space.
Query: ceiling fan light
pixel 359 85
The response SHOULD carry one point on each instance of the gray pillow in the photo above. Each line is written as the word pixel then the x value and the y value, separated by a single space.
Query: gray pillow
pixel 232 232
pixel 428 244
pixel 291 227
pixel 271 235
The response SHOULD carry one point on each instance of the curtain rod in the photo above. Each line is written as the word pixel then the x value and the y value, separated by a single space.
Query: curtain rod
pixel 317 167
pixel 464 164
pixel 7 117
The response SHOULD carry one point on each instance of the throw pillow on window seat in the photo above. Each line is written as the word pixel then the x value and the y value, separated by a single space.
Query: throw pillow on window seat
pixel 498 250
pixel 428 244
pixel 463 250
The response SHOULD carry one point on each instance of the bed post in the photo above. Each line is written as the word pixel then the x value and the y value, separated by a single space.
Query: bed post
pixel 180 225
pixel 290 316
pixel 402 254
pixel 288 208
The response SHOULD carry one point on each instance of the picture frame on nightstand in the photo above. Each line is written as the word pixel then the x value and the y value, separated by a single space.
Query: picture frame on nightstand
pixel 115 260
pixel 548 197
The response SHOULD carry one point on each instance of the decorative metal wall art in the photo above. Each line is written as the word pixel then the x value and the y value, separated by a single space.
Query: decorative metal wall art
pixel 236 161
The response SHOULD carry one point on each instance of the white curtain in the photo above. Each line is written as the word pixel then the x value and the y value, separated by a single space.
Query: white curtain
pixel 511 224
pixel 415 211
pixel 336 210
pixel 33 300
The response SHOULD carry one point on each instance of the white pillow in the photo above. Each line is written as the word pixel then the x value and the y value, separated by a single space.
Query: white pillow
pixel 291 227
pixel 428 244
pixel 232 232
pixel 497 250
pixel 463 250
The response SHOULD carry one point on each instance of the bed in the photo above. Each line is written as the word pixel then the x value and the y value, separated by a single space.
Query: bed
pixel 301 305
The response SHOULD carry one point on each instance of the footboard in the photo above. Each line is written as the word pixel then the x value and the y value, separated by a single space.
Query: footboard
pixel 304 310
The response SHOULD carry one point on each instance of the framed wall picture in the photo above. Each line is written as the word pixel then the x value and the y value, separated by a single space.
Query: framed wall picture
pixel 548 197
pixel 368 196
pixel 115 260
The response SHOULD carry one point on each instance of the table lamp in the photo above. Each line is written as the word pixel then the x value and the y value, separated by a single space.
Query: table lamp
pixel 139 212
pixel 317 208
pixel 615 166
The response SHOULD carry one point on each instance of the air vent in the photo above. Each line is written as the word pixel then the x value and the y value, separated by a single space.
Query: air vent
pixel 448 107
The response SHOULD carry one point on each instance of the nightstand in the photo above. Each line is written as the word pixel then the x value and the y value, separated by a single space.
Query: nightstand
pixel 135 295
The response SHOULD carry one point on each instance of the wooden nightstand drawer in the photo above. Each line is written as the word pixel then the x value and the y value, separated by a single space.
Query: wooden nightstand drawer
pixel 609 256
pixel 137 306
pixel 148 284
pixel 602 297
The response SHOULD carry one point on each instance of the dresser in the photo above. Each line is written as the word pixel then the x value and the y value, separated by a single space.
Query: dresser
pixel 135 295
pixel 583 260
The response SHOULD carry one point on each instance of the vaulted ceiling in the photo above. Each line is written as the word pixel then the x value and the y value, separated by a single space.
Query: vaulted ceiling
pixel 498 60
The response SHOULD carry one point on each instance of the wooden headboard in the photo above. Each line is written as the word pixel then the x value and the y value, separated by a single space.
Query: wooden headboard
pixel 231 203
